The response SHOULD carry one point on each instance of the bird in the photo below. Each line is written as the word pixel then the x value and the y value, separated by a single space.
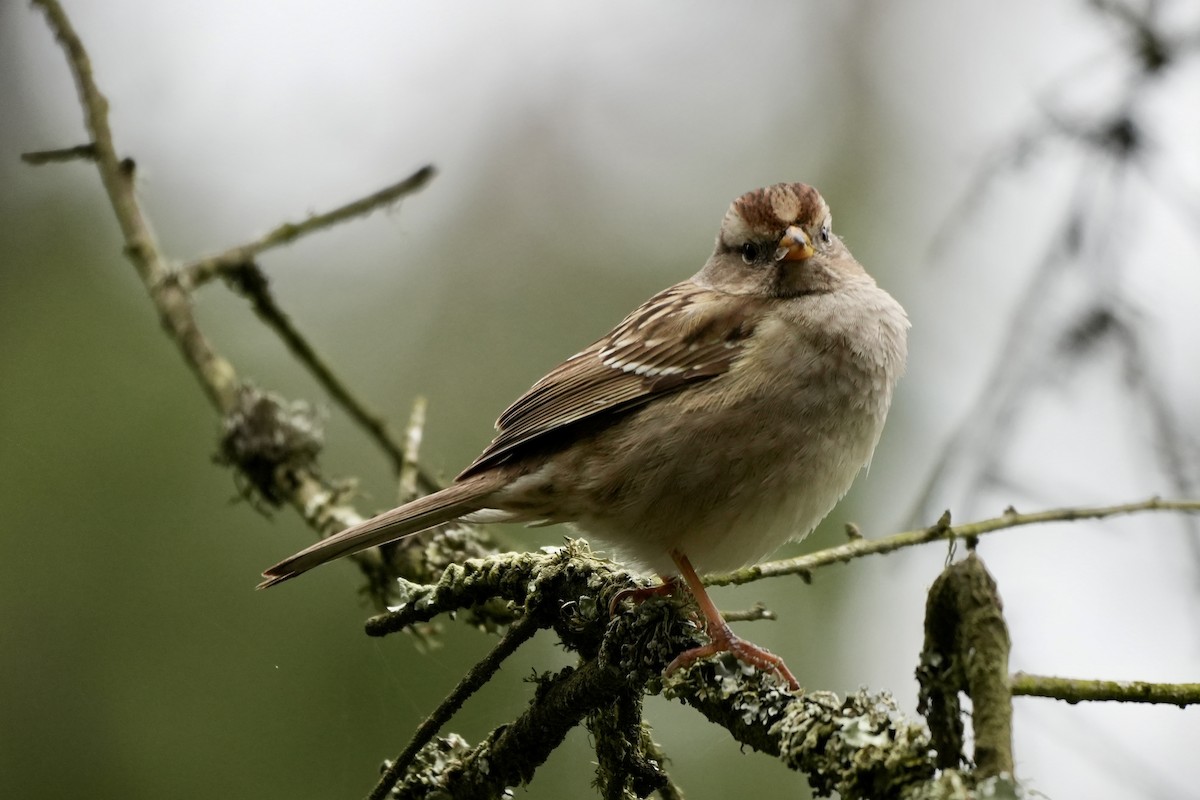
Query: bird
pixel 726 415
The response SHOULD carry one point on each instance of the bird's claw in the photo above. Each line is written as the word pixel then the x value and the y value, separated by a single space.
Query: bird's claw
pixel 744 651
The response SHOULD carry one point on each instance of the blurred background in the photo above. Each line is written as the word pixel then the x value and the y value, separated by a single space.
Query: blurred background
pixel 1023 177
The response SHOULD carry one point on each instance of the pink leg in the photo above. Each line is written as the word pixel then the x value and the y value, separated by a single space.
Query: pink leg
pixel 722 638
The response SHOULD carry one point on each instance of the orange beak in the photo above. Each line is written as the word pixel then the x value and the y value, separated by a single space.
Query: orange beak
pixel 794 246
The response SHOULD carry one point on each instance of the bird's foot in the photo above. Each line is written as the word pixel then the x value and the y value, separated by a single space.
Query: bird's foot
pixel 747 652
pixel 640 594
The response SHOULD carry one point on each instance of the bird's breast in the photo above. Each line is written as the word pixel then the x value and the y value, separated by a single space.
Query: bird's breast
pixel 729 469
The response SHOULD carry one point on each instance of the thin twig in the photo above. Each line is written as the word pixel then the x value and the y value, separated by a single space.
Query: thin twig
pixel 974 449
pixel 250 281
pixel 200 272
pixel 943 531
pixel 410 470
pixel 519 633
pixel 753 614
pixel 80 152
pixel 1075 690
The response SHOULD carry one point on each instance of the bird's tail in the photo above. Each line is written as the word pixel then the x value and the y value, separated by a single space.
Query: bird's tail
pixel 454 501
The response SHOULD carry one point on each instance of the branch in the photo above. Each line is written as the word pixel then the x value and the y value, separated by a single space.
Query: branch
pixel 942 531
pixel 966 650
pixel 520 632
pixel 410 470
pixel 1075 690
pixel 804 732
pixel 202 271
pixel 511 753
pixel 248 280
pixel 255 421
pixel 861 747
pixel 628 760
pixel 173 304
pixel 80 152
pixel 753 614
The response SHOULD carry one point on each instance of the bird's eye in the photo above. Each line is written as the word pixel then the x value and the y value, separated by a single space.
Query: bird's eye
pixel 749 252
pixel 826 234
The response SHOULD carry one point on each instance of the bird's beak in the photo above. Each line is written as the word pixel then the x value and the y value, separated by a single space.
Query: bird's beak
pixel 794 246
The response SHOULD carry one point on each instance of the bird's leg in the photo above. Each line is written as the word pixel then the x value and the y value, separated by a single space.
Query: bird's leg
pixel 722 638
pixel 640 594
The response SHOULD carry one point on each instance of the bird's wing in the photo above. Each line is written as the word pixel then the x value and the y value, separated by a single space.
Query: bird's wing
pixel 684 334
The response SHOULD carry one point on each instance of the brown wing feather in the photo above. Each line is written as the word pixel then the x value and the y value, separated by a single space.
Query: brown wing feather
pixel 684 334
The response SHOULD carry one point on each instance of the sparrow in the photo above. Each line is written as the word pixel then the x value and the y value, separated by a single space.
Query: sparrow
pixel 724 416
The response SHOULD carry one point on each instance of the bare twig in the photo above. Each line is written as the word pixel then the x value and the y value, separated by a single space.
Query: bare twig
pixel 80 152
pixel 753 614
pixel 1075 690
pixel 200 272
pixel 943 531
pixel 976 449
pixel 410 470
pixel 250 281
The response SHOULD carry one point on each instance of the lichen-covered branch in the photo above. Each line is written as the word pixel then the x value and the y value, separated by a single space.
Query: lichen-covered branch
pixel 517 578
pixel 628 764
pixel 511 754
pixel 860 747
pixel 966 650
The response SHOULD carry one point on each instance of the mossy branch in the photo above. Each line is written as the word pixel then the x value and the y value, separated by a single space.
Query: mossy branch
pixel 966 650
pixel 861 747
